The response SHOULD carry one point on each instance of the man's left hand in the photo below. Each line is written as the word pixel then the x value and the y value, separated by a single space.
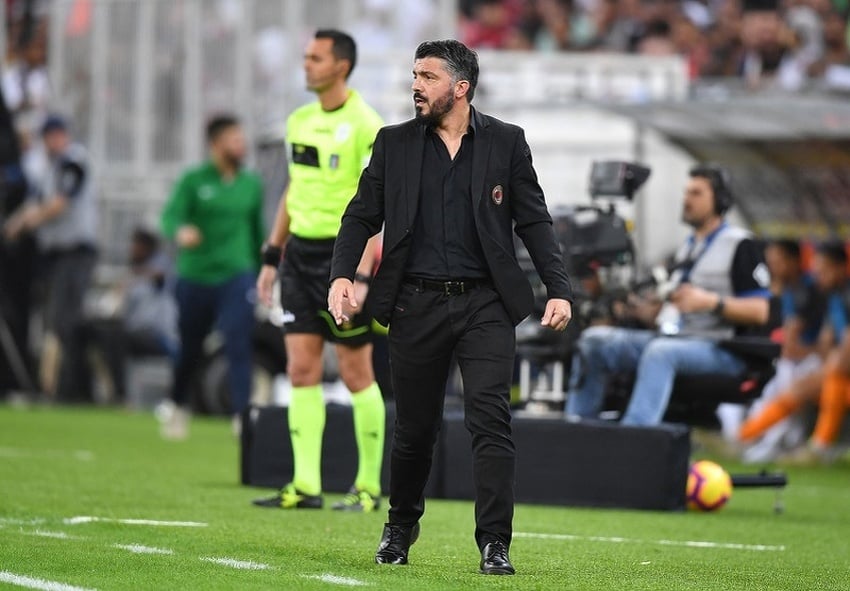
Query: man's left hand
pixel 557 315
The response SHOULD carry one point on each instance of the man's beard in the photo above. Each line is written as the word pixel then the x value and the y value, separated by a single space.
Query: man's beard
pixel 693 221
pixel 232 160
pixel 438 109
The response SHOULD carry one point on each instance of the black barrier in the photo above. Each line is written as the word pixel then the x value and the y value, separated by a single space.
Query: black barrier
pixel 593 464
pixel 266 455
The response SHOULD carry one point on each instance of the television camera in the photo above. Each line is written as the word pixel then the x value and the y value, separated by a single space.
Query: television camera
pixel 594 239
pixel 599 256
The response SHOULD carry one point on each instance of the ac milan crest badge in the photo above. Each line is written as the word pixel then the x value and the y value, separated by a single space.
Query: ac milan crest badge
pixel 498 194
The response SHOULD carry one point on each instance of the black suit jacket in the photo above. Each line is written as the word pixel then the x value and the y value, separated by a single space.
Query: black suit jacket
pixel 506 197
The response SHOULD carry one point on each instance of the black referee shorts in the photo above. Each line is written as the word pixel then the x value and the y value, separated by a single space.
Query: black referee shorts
pixel 304 294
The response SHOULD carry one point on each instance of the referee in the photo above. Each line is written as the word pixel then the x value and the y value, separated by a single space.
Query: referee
pixel 330 141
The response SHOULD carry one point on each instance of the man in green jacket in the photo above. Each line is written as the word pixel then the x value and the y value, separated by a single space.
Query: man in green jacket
pixel 214 215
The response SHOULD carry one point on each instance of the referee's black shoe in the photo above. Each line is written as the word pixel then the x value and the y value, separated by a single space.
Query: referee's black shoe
pixel 395 543
pixel 494 559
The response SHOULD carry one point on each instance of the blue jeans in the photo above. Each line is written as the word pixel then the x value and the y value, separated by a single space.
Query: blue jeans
pixel 606 350
pixel 200 307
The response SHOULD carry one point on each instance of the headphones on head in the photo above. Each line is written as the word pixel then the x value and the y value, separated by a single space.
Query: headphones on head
pixel 721 185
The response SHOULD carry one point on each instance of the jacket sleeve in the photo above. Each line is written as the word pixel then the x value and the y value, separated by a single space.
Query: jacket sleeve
pixel 364 216
pixel 534 224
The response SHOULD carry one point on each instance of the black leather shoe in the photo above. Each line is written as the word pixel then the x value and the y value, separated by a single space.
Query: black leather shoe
pixel 495 561
pixel 395 543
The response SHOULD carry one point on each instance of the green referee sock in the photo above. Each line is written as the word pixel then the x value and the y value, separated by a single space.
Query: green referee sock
pixel 306 427
pixel 369 427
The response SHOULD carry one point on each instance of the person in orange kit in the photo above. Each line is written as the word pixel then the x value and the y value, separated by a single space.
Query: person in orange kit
pixel 831 385
pixel 802 318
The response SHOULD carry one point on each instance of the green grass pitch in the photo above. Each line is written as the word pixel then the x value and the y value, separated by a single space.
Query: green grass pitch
pixel 56 464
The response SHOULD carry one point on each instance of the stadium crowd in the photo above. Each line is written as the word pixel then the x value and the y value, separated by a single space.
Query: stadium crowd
pixel 764 42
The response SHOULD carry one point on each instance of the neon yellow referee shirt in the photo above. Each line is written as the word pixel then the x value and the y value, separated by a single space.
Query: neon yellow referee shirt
pixel 328 151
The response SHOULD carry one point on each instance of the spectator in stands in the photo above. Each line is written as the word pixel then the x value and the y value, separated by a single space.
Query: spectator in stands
pixel 26 88
pixel 801 310
pixel 724 42
pixel 25 81
pixel 657 39
pixel 720 284
pixel 835 34
pixel 616 25
pixel 652 11
pixel 830 270
pixel 63 215
pixel 768 57
pixel 692 44
pixel 215 215
pixel 492 24
pixel 548 25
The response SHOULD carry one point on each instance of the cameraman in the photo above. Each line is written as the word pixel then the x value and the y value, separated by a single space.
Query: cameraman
pixel 721 285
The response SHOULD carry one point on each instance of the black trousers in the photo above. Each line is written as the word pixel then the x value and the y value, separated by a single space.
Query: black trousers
pixel 427 328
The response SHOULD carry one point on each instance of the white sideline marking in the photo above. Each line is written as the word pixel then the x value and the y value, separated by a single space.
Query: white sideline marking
pixel 59 535
pixel 82 455
pixel 14 521
pixel 337 580
pixel 139 549
pixel 682 543
pixel 33 583
pixel 726 546
pixel 233 563
pixel 88 519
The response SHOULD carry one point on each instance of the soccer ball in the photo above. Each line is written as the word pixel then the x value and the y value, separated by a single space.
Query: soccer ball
pixel 709 486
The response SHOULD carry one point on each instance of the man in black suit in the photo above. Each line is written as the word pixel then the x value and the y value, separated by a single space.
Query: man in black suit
pixel 448 186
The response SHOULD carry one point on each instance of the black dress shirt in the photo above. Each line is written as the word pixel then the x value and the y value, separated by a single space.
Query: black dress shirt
pixel 445 241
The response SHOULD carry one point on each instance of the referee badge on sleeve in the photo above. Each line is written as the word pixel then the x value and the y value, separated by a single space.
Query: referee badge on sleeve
pixel 498 194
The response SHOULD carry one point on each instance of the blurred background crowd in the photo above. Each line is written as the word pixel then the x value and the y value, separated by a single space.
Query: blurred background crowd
pixel 777 41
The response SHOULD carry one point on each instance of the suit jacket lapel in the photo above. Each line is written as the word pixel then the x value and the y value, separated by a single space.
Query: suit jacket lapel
pixel 480 156
pixel 413 163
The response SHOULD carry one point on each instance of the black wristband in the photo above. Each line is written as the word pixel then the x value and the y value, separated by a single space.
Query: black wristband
pixel 271 255
pixel 362 278
pixel 718 309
